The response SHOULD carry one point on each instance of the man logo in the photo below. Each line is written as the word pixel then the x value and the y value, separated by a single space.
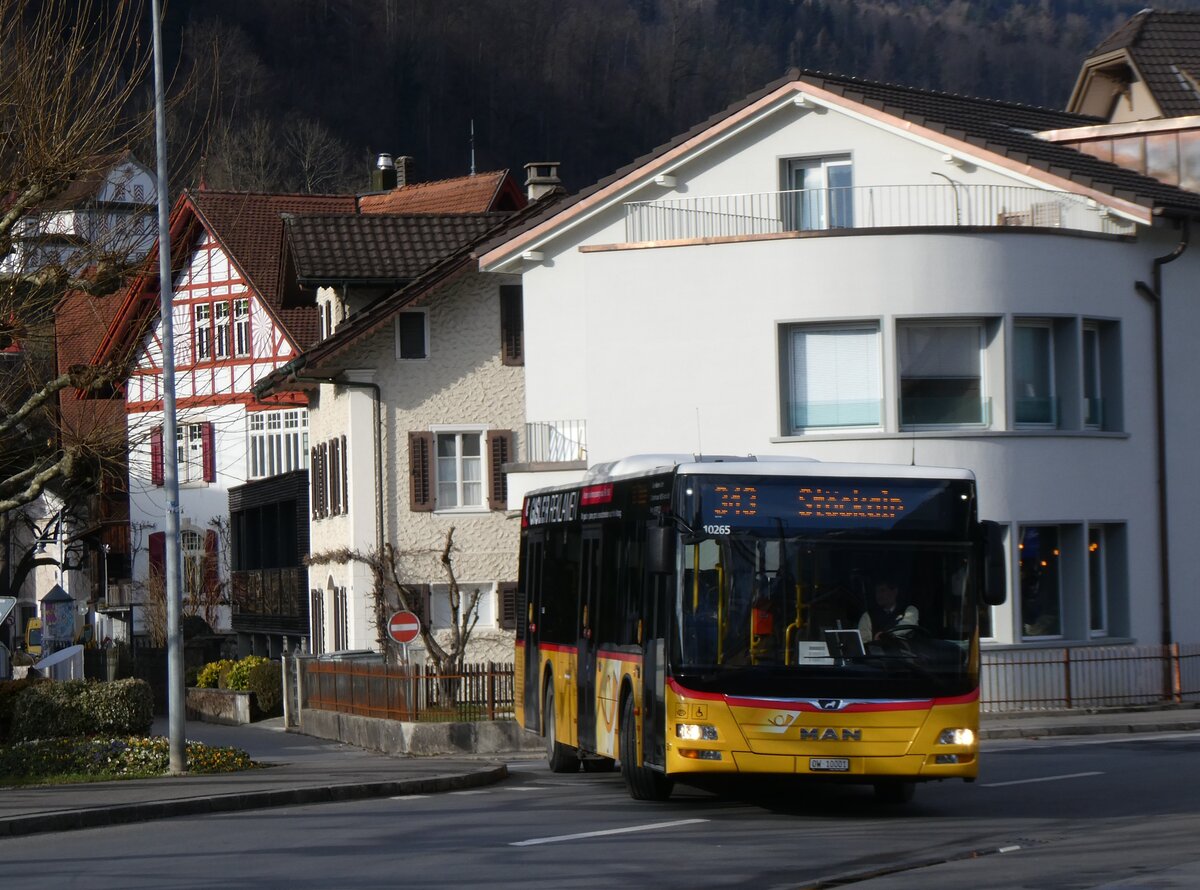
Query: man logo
pixel 830 735
pixel 829 704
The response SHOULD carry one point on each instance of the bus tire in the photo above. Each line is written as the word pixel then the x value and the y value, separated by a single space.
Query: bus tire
pixel 895 791
pixel 643 783
pixel 559 757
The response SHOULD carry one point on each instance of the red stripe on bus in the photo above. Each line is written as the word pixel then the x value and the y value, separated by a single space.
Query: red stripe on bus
pixel 859 707
pixel 555 647
pixel 631 657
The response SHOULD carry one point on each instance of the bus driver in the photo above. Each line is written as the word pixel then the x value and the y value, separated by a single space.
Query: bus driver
pixel 886 611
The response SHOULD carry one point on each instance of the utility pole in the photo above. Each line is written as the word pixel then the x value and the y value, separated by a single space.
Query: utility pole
pixel 176 705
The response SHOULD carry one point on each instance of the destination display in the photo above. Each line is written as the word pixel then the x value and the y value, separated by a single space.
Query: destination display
pixel 725 504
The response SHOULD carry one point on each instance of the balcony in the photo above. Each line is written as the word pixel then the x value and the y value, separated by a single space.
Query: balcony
pixel 766 214
pixel 556 441
pixel 274 600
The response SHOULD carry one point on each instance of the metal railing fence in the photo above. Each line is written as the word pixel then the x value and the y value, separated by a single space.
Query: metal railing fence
pixel 1089 677
pixel 555 441
pixel 865 207
pixel 413 694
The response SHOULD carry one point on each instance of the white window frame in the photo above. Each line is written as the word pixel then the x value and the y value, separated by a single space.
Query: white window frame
pixel 241 327
pixel 487 608
pixel 189 450
pixel 1051 383
pixel 221 329
pixel 980 325
pixel 424 313
pixel 278 442
pixel 834 208
pixel 202 318
pixel 873 377
pixel 459 431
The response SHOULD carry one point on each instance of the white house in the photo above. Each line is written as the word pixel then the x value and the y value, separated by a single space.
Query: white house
pixel 230 330
pixel 416 404
pixel 847 270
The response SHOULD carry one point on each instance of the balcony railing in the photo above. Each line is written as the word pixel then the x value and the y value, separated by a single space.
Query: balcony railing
pixel 279 593
pixel 865 207
pixel 556 441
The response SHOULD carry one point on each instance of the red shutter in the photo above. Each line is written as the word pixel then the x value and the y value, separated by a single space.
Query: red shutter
pixel 420 472
pixel 210 452
pixel 156 456
pixel 499 444
pixel 512 325
pixel 158 555
pixel 212 573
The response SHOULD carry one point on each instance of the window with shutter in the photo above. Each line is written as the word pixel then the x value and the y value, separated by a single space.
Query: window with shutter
pixel 314 484
pixel 158 555
pixel 156 456
pixel 499 451
pixel 212 575
pixel 345 477
pixel 418 601
pixel 209 452
pixel 420 471
pixel 507 593
pixel 512 325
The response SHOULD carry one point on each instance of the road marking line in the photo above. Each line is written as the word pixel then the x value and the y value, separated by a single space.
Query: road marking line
pixel 586 834
pixel 522 788
pixel 474 791
pixel 411 797
pixel 1043 779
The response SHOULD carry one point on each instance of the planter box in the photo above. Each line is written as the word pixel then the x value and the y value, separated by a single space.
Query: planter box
pixel 219 706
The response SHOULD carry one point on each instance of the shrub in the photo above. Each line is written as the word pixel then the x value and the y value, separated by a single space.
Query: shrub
pixel 9 690
pixel 81 707
pixel 209 676
pixel 265 682
pixel 238 676
pixel 111 757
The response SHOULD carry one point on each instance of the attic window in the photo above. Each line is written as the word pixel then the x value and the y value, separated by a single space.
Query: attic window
pixel 412 335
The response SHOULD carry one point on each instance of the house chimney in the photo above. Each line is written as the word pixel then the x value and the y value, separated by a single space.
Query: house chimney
pixel 541 178
pixel 383 175
pixel 404 171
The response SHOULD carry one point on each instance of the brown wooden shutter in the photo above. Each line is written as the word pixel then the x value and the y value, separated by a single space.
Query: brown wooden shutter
pixel 512 325
pixel 507 594
pixel 418 601
pixel 335 477
pixel 209 452
pixel 156 456
pixel 499 444
pixel 323 475
pixel 313 479
pixel 345 477
pixel 420 472
pixel 212 574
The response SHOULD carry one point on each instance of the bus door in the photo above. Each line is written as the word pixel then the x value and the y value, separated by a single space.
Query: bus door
pixel 656 612
pixel 585 672
pixel 531 602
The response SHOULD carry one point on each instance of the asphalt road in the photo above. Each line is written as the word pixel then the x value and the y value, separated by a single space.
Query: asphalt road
pixel 1070 813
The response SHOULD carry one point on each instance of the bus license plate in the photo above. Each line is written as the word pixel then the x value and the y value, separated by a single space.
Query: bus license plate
pixel 829 764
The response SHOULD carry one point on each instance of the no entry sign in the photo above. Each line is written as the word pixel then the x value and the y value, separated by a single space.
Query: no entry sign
pixel 403 627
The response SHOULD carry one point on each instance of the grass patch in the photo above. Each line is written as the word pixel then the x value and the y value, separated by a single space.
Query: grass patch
pixel 101 759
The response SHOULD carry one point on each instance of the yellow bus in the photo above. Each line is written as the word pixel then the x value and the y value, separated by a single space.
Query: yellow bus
pixel 691 617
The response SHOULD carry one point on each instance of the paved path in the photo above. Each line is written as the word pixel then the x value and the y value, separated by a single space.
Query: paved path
pixel 306 770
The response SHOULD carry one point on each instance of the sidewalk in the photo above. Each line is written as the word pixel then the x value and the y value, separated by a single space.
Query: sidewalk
pixel 305 770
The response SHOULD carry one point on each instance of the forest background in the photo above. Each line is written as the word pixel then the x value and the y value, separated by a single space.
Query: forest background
pixel 300 95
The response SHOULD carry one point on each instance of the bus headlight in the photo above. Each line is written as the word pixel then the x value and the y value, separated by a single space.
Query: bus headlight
pixel 696 732
pixel 957 737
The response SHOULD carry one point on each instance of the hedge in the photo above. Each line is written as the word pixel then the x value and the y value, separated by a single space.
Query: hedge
pixel 81 708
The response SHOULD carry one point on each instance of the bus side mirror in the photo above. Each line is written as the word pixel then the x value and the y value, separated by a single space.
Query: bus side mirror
pixel 995 564
pixel 660 549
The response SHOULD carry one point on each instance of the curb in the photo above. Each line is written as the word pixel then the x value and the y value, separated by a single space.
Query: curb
pixel 1037 732
pixel 70 820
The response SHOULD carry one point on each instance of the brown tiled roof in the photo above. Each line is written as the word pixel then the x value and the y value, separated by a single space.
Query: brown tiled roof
pixel 80 322
pixel 379 247
pixel 480 193
pixel 250 226
pixel 1004 128
pixel 1165 48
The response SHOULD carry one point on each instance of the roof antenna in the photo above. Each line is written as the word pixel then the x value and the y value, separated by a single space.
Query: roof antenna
pixel 699 446
pixel 472 146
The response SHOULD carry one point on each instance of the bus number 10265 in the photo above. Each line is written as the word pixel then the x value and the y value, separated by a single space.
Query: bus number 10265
pixel 716 529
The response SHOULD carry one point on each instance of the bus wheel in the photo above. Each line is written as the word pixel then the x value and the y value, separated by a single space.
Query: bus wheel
pixel 559 757
pixel 599 765
pixel 643 783
pixel 895 792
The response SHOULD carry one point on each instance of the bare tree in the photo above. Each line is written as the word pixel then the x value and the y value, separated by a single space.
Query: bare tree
pixel 72 98
pixel 392 571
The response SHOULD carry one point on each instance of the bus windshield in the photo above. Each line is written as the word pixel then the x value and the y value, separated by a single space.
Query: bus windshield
pixel 897 616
